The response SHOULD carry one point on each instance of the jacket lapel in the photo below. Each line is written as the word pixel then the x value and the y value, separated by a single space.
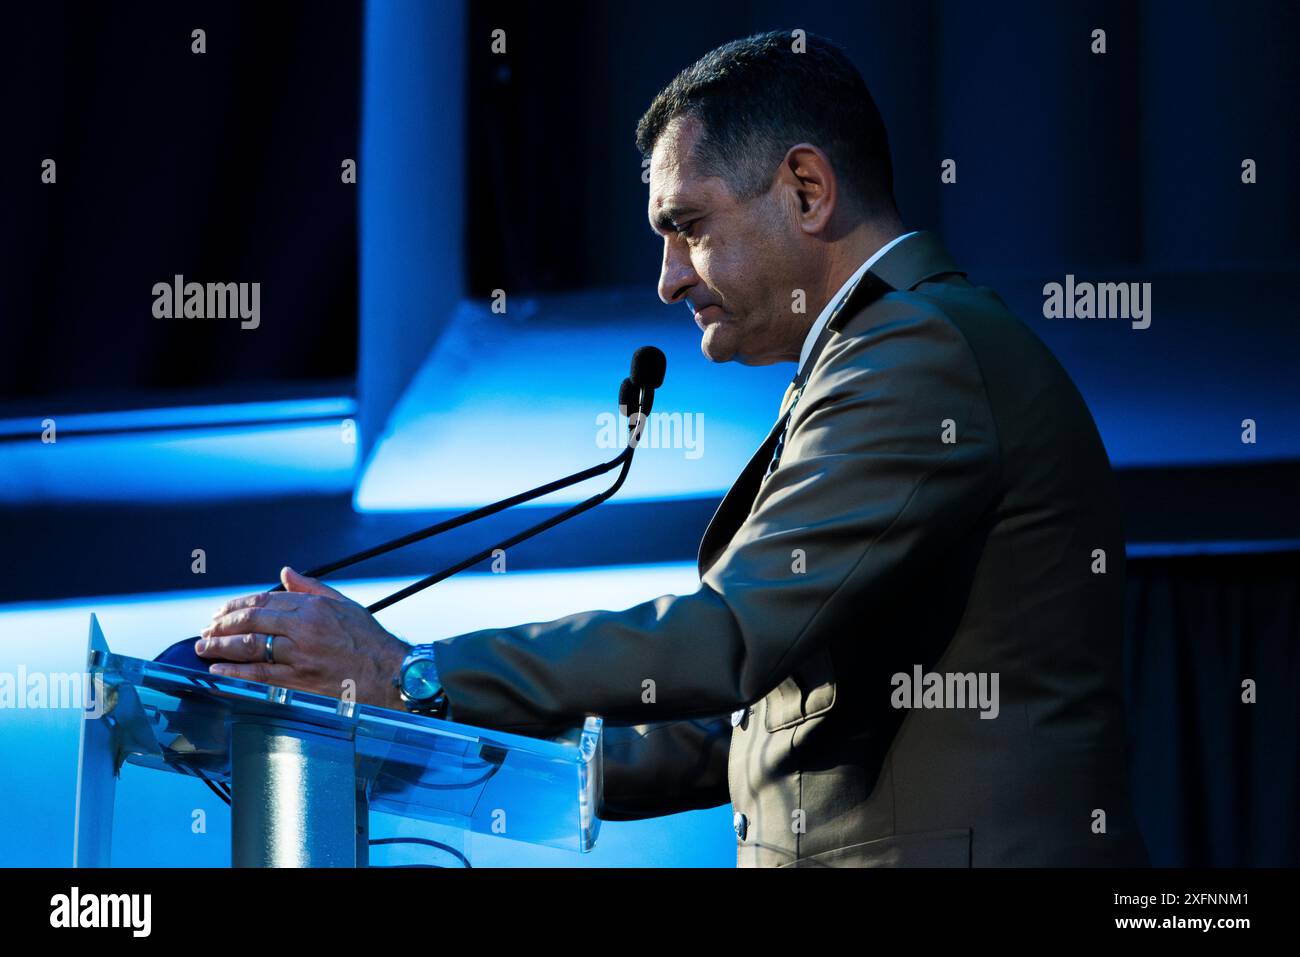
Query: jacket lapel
pixel 735 505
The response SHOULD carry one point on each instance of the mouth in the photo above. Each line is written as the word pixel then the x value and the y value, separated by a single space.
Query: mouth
pixel 709 314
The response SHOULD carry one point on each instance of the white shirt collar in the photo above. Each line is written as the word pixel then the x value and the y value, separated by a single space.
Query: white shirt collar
pixel 825 316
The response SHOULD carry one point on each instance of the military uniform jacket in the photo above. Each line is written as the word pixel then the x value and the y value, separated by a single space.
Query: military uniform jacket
pixel 941 511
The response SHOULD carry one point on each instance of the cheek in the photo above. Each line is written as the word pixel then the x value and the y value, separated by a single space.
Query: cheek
pixel 721 270
pixel 705 259
pixel 743 261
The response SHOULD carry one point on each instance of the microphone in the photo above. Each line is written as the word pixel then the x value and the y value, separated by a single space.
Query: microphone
pixel 629 404
pixel 637 391
pixel 648 367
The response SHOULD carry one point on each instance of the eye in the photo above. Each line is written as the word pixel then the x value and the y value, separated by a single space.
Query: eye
pixel 684 229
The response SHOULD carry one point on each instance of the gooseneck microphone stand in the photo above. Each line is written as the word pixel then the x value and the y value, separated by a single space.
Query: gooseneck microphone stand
pixel 636 392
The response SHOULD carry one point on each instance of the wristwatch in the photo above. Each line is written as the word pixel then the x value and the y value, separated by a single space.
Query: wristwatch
pixel 418 685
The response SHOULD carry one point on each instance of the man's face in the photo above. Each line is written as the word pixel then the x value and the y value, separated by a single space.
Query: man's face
pixel 734 263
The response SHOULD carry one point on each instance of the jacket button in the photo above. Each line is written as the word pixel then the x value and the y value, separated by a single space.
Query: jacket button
pixel 741 825
pixel 738 718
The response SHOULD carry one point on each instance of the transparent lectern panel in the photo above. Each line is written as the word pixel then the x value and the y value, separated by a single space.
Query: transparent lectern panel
pixel 528 789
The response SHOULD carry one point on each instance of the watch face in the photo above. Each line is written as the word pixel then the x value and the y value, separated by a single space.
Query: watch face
pixel 418 681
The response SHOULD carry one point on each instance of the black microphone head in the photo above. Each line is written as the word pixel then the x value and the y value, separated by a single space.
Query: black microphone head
pixel 648 367
pixel 629 396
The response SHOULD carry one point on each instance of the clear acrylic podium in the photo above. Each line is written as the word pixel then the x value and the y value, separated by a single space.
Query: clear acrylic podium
pixel 305 770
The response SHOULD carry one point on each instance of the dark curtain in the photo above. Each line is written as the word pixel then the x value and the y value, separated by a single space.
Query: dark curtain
pixel 222 166
pixel 1217 781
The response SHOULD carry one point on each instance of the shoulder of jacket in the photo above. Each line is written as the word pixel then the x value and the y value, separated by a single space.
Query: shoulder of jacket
pixel 897 314
pixel 903 333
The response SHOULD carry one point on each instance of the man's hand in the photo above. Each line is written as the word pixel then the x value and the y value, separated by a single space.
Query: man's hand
pixel 322 641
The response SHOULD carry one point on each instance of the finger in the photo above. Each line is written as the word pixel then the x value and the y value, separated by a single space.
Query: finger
pixel 246 647
pixel 276 600
pixel 293 582
pixel 271 674
pixel 252 620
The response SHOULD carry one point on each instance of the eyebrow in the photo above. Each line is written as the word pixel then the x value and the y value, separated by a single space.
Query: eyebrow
pixel 664 219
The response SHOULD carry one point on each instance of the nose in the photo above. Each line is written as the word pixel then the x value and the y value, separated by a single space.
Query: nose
pixel 676 275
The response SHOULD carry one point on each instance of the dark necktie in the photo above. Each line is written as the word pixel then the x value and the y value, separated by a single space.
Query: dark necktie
pixel 787 403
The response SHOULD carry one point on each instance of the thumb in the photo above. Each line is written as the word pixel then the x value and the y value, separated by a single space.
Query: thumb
pixel 292 581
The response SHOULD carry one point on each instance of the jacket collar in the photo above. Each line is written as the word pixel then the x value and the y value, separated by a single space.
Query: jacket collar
pixel 913 261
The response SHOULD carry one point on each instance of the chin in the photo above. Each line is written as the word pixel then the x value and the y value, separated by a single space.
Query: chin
pixel 717 345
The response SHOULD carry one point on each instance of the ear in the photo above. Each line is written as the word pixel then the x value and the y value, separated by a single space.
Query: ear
pixel 808 172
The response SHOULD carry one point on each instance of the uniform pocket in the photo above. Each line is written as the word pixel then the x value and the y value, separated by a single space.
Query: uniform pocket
pixel 807 693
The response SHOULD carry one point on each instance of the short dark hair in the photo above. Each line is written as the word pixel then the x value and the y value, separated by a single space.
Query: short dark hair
pixel 756 97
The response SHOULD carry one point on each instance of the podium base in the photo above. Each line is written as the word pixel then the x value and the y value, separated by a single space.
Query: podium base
pixel 296 802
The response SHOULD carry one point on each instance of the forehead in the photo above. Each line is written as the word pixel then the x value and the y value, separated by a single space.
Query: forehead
pixel 675 184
